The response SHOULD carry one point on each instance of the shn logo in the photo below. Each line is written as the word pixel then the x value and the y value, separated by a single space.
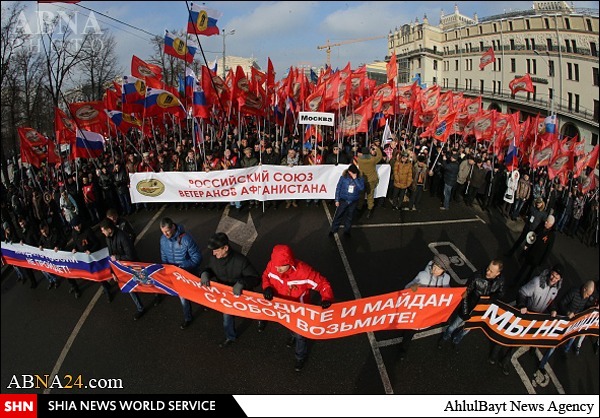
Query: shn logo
pixel 18 406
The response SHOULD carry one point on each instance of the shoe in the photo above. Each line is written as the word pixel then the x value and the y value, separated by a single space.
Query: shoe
pixel 287 205
pixel 299 365
pixel 110 298
pixel 491 361
pixel 577 350
pixel 185 324
pixel 413 208
pixel 138 315
pixel 294 204
pixel 443 208
pixel 261 326
pixel 77 294
pixel 290 342
pixel 226 343
pixel 505 369
pixel 401 353
pixel 369 213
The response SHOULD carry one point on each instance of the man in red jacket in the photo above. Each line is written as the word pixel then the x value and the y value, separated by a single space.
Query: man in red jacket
pixel 291 279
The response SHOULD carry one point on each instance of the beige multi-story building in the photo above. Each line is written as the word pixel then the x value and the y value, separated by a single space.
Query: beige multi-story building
pixel 554 42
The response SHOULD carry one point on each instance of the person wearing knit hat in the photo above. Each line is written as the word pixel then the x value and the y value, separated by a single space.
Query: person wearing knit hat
pixel 347 193
pixel 435 274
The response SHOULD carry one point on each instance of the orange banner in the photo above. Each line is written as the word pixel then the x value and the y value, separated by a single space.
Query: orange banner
pixel 403 309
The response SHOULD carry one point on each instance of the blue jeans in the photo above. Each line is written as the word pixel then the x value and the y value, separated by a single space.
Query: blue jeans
pixel 124 202
pixel 455 330
pixel 187 309
pixel 229 327
pixel 301 346
pixel 137 301
pixel 516 210
pixel 447 195
pixel 344 213
pixel 237 204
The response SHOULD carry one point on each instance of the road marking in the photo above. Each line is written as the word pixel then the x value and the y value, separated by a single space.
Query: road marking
pixel 454 260
pixel 242 233
pixel 88 309
pixel 387 384
pixel 450 221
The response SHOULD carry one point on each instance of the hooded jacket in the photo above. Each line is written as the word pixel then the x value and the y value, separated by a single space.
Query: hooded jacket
pixel 297 282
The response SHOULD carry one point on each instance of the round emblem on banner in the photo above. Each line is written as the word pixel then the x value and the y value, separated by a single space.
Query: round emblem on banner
pixel 560 162
pixel 351 122
pixel 179 46
pixel 86 112
pixel 140 87
pixel 202 21
pixel 131 119
pixel 243 84
pixel 315 103
pixel 68 124
pixel 151 188
pixel 32 136
pixel 145 71
pixel 165 100
pixel 254 101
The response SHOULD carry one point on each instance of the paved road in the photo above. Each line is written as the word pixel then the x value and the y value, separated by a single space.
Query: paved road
pixel 46 332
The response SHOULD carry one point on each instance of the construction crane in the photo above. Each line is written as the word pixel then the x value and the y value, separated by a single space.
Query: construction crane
pixel 328 45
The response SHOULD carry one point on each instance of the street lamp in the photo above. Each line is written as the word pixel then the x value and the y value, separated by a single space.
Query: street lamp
pixel 224 35
pixel 549 75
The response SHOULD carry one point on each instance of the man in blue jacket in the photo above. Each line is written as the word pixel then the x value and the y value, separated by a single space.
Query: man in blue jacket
pixel 178 248
pixel 347 193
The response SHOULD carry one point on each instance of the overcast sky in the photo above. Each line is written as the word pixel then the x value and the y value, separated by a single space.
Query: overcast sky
pixel 287 32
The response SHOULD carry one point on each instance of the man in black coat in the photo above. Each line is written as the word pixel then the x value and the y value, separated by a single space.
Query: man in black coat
pixel 535 254
pixel 232 268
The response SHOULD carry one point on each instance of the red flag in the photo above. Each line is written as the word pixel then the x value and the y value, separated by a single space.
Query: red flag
pixel 487 58
pixel 392 68
pixel 142 69
pixel 64 127
pixel 33 146
pixel 359 120
pixel 588 160
pixel 522 83
pixel 588 183
pixel 89 115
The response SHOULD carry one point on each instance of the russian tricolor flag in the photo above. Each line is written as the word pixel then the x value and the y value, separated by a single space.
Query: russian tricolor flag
pixel 179 48
pixel 203 21
pixel 550 123
pixel 88 144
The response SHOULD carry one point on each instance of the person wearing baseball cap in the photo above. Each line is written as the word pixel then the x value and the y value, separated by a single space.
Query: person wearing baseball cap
pixel 435 274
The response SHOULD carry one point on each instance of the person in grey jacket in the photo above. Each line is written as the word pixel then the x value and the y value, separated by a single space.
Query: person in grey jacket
pixel 435 274
pixel 539 296
pixel 177 247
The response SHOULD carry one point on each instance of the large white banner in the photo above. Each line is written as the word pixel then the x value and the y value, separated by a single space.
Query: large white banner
pixel 263 182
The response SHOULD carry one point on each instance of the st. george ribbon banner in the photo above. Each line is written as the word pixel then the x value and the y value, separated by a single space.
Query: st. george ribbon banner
pixel 94 266
pixel 262 182
pixel 403 309
pixel 506 325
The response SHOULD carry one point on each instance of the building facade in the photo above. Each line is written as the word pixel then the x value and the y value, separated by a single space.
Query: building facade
pixel 554 42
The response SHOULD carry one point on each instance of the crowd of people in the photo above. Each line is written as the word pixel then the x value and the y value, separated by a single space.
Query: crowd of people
pixel 60 207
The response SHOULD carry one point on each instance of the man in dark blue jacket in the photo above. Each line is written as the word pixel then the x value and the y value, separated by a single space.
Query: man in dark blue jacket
pixel 347 193
pixel 450 176
pixel 178 248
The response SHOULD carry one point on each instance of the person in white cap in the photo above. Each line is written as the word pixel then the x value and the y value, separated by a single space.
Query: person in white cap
pixel 435 274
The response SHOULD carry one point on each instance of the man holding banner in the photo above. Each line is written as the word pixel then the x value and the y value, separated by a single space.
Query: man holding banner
pixel 292 279
pixel 229 267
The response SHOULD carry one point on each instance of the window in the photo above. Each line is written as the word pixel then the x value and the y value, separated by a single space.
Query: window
pixel 569 71
pixel 512 44
pixel 576 71
pixel 456 49
pixel 533 66
pixel 570 95
pixel 493 86
pixel 495 28
pixel 527 44
pixel 481 83
pixel 456 84
pixel 595 136
pixel 480 30
pixel 481 47
pixel 549 44
pixel 550 94
pixel 574 45
pixel 418 62
pixel 499 87
pixel 528 24
pixel 513 65
pixel 532 43
pixel 590 28
pixel 568 45
pixel 468 32
pixel 595 75
pixel 528 65
pixel 567 23
pixel 550 68
pixel 435 65
pixel 576 102
pixel 510 26
pixel 593 49
pixel 547 23
pixel 434 80
pixel 499 61
pixel 455 65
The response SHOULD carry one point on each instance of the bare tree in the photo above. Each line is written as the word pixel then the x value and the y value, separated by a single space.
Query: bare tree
pixel 99 66
pixel 12 36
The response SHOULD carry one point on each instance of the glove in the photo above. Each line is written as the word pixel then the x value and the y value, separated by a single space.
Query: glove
pixel 325 304
pixel 237 288
pixel 268 293
pixel 205 279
